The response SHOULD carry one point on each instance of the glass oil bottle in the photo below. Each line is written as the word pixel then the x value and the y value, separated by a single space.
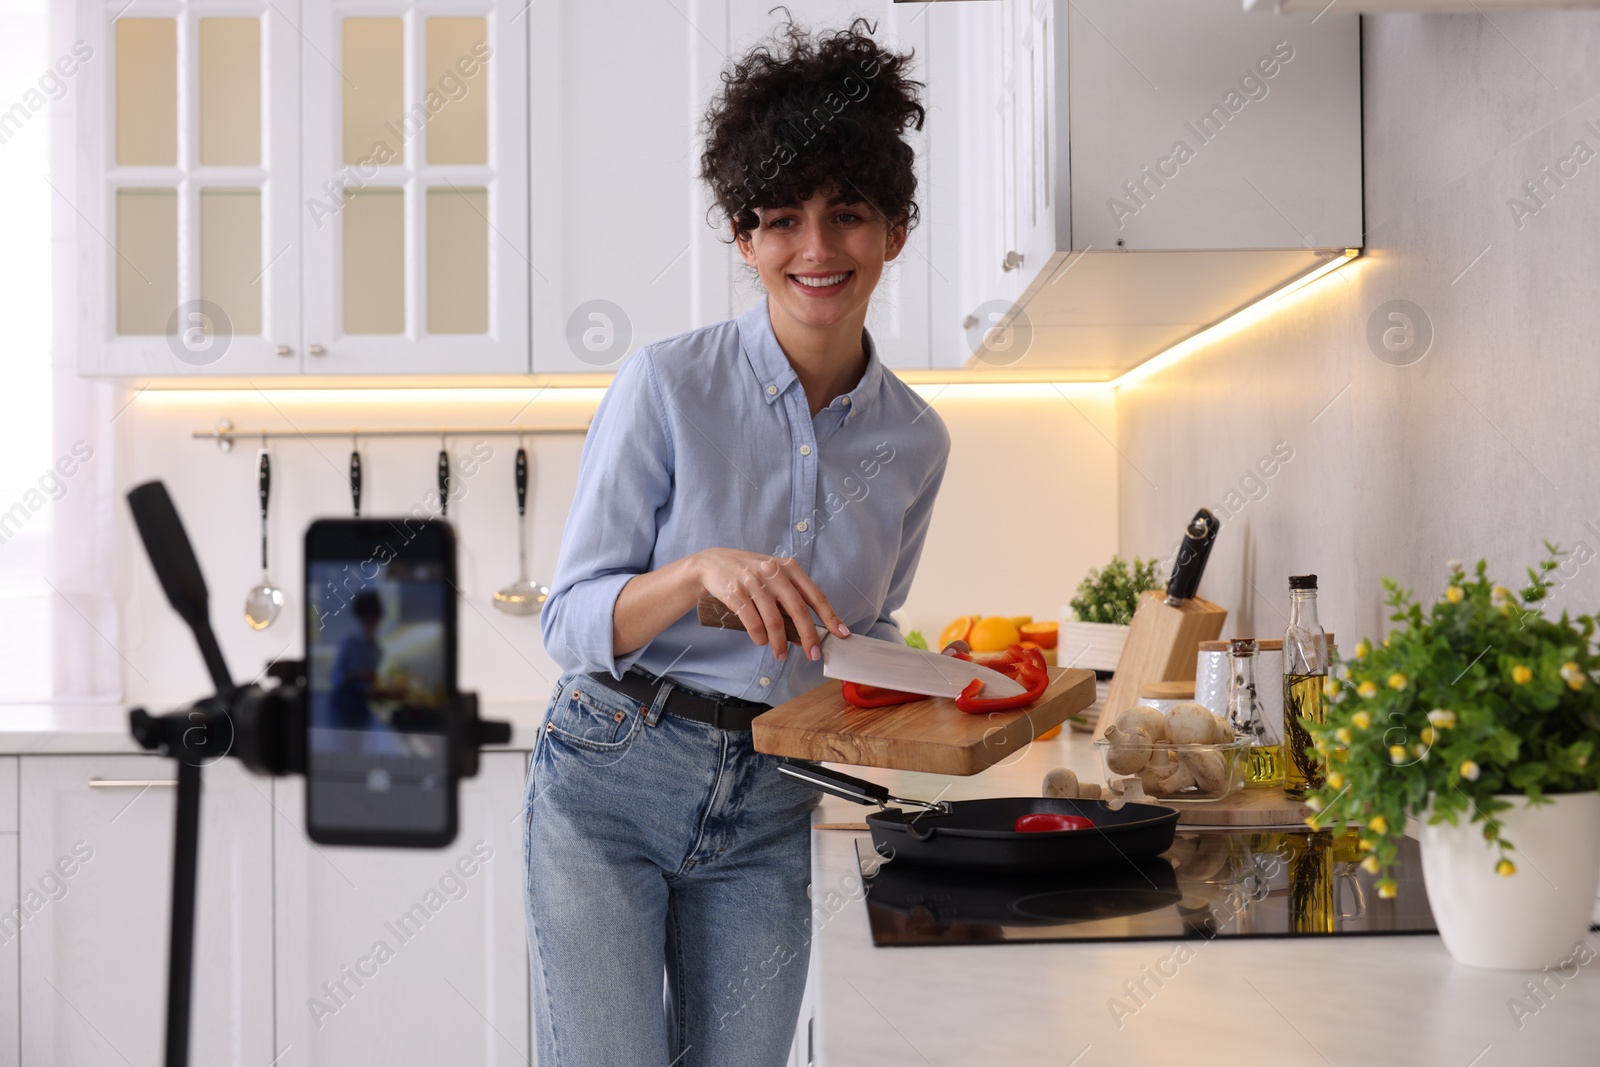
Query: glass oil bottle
pixel 1264 761
pixel 1305 672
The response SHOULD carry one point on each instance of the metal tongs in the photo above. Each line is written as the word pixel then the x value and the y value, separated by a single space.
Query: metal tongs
pixel 857 790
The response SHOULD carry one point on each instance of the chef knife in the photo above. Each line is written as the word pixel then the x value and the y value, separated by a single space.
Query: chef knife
pixel 870 661
pixel 1190 562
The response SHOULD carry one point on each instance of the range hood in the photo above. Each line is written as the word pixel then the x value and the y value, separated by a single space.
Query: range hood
pixel 1137 173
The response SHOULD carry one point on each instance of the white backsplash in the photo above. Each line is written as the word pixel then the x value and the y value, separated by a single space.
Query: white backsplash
pixel 1028 505
pixel 1483 447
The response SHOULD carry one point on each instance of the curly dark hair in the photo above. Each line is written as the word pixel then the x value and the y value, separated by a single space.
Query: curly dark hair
pixel 798 113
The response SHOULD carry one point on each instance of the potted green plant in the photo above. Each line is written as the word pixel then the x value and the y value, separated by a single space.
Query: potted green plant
pixel 1104 605
pixel 1479 718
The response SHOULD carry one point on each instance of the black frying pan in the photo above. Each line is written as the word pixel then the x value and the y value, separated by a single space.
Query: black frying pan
pixel 979 834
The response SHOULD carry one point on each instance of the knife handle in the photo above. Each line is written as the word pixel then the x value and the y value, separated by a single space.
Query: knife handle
pixel 714 612
pixel 1190 562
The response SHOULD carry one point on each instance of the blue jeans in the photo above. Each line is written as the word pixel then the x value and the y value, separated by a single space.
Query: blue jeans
pixel 657 847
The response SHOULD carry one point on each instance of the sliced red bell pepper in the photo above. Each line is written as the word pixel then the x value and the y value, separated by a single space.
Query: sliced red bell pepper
pixel 1040 822
pixel 1026 666
pixel 872 696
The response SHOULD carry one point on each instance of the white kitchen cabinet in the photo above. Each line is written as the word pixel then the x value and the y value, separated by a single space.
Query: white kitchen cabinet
pixel 187 187
pixel 397 957
pixel 1140 171
pixel 414 142
pixel 10 1009
pixel 96 873
pixel 323 187
pixel 624 252
pixel 11 918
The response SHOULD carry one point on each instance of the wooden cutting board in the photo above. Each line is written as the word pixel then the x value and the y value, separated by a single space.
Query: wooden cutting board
pixel 1248 807
pixel 925 735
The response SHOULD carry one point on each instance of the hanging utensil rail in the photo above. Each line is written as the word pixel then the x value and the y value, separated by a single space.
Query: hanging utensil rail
pixel 224 434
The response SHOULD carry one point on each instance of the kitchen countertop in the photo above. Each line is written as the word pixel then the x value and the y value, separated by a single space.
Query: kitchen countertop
pixel 61 729
pixel 1284 1003
pixel 1374 1000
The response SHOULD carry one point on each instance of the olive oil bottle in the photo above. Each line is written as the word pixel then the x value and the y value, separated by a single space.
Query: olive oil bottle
pixel 1264 759
pixel 1305 673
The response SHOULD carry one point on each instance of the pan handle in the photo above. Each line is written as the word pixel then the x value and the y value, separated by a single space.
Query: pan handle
pixel 856 790
pixel 835 783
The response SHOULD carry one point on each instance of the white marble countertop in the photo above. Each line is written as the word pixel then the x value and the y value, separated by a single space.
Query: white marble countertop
pixel 92 729
pixel 1279 1002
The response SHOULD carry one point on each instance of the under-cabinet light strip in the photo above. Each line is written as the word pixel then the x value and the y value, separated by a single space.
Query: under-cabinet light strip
pixel 220 435
pixel 1245 316
pixel 927 383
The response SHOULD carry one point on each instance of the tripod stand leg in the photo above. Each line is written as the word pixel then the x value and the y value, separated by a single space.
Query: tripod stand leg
pixel 180 960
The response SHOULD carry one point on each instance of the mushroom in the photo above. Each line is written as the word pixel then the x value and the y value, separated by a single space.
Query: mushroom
pixel 1129 750
pixel 1156 770
pixel 1191 724
pixel 1207 768
pixel 1222 731
pixel 1178 779
pixel 1063 782
pixel 1127 790
pixel 1145 718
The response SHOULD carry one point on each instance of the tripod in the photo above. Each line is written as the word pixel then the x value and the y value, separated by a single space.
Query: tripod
pixel 262 725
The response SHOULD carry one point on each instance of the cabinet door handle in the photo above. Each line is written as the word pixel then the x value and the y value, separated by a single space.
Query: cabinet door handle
pixel 130 783
pixel 285 350
pixel 317 350
pixel 1012 261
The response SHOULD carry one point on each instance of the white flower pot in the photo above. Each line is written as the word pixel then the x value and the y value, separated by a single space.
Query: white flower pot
pixel 1531 919
pixel 1094 646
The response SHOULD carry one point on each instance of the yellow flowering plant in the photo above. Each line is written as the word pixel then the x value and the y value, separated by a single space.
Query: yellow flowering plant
pixel 1480 697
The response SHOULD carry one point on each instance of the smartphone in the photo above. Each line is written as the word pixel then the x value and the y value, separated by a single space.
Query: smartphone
pixel 380 674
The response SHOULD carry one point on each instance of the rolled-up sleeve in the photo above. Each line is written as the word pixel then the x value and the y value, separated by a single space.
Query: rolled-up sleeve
pixel 624 479
pixel 913 534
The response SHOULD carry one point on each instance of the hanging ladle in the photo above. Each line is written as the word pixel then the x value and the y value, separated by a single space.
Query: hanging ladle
pixel 355 478
pixel 522 597
pixel 263 603
pixel 444 479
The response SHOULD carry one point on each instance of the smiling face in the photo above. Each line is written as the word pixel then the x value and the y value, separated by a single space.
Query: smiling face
pixel 821 258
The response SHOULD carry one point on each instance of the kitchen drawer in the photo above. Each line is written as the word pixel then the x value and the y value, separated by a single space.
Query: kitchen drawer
pixel 10 974
pixel 95 873
pixel 8 794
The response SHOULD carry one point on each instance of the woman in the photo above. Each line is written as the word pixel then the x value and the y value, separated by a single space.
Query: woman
pixel 770 461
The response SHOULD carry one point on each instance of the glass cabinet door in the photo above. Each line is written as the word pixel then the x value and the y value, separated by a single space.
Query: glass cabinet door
pixel 188 168
pixel 415 182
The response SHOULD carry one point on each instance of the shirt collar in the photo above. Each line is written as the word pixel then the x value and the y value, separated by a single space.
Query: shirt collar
pixel 775 375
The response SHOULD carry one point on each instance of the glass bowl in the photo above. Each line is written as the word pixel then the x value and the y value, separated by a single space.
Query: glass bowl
pixel 1197 774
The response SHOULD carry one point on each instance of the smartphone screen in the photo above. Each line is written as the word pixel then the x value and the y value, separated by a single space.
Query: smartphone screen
pixel 380 666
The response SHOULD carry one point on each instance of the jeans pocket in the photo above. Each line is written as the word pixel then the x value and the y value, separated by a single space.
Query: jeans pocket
pixel 591 716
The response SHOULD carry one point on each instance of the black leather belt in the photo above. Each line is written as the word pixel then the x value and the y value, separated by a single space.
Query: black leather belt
pixel 725 713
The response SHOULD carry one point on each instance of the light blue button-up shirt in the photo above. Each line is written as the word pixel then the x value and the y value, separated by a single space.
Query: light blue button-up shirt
pixel 706 440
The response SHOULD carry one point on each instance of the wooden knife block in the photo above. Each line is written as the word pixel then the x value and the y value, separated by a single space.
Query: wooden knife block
pixel 1163 646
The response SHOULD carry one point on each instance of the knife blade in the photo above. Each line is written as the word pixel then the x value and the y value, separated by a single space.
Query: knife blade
pixel 871 661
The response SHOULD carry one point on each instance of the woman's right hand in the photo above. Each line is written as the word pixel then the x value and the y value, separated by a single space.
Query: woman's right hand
pixel 755 586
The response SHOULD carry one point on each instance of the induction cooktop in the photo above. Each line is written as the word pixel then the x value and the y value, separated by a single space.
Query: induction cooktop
pixel 1211 884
